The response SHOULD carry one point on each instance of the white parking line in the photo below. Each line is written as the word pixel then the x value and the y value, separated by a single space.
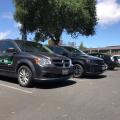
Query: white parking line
pixel 18 89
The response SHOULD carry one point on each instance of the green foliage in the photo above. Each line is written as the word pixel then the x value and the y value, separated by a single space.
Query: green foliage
pixel 82 47
pixel 39 37
pixel 53 16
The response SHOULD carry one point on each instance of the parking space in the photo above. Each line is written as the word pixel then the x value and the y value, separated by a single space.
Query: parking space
pixel 89 98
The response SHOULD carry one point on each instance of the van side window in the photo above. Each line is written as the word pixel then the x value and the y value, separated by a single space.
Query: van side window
pixel 5 45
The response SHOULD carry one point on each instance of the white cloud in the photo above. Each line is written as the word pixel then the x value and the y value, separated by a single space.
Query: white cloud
pixel 108 12
pixel 18 25
pixel 4 35
pixel 7 16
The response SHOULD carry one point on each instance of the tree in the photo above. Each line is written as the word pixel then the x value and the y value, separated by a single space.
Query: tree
pixel 40 37
pixel 82 47
pixel 51 17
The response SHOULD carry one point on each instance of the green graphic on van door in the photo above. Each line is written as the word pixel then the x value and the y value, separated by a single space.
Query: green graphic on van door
pixel 6 60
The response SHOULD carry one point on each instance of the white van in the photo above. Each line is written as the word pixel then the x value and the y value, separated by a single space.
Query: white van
pixel 116 58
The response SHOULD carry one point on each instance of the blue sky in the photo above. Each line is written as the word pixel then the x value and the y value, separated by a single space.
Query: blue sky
pixel 107 30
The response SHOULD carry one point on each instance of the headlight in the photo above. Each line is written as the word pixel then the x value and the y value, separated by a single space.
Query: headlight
pixel 89 61
pixel 42 61
pixel 71 63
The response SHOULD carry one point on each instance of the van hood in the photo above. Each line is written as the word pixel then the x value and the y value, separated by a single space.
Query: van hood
pixel 78 56
pixel 95 58
pixel 49 55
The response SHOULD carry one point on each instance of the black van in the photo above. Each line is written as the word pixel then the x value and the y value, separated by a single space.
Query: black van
pixel 83 63
pixel 29 61
pixel 107 59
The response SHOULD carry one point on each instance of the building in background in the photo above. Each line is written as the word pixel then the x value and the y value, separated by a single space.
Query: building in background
pixel 72 44
pixel 111 50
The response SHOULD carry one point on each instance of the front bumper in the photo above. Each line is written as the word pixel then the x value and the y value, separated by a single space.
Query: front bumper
pixel 54 73
pixel 96 69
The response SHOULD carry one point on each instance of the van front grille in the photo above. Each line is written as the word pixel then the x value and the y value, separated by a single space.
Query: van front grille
pixel 61 63
pixel 100 62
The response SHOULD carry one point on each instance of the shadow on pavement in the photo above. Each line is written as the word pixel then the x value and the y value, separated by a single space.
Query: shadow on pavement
pixel 95 77
pixel 116 69
pixel 8 79
pixel 41 84
pixel 53 84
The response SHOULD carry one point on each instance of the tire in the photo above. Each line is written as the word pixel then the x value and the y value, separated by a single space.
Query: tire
pixel 25 76
pixel 78 71
pixel 111 68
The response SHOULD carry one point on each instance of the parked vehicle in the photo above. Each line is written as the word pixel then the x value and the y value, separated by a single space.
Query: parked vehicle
pixel 83 63
pixel 29 61
pixel 107 59
pixel 116 58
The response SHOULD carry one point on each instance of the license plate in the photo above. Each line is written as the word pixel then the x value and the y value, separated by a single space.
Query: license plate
pixel 65 72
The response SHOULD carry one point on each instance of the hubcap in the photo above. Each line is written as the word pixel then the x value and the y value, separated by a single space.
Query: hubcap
pixel 77 70
pixel 23 76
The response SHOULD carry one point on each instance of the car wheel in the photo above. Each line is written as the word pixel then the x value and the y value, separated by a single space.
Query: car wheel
pixel 111 68
pixel 25 76
pixel 78 71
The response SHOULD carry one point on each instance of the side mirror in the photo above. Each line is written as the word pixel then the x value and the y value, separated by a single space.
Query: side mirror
pixel 11 50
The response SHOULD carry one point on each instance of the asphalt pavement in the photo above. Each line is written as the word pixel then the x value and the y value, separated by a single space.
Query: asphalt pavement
pixel 88 98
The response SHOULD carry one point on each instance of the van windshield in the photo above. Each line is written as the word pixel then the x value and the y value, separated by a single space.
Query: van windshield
pixel 74 51
pixel 29 46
